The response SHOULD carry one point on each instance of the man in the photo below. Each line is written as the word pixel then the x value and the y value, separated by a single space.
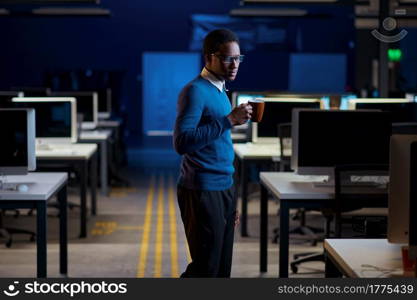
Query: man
pixel 202 135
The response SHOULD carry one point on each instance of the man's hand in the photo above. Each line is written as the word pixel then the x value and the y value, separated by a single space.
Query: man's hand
pixel 240 114
pixel 237 219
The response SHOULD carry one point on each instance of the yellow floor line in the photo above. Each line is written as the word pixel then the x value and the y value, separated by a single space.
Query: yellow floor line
pixel 173 229
pixel 159 229
pixel 146 230
pixel 187 252
pixel 129 228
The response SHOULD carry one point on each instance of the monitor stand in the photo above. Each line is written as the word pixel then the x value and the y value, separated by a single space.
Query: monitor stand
pixel 43 146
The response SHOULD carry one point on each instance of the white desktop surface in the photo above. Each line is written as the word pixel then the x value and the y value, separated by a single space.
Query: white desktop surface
pixel 88 126
pixel 102 134
pixel 67 151
pixel 238 136
pixel 352 255
pixel 256 150
pixel 267 140
pixel 286 185
pixel 108 123
pixel 41 186
pixel 103 115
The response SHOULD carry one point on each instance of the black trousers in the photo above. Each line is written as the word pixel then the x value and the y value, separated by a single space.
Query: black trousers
pixel 208 218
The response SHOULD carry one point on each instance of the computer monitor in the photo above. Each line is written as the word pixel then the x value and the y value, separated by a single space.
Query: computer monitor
pixel 401 112
pixel 33 91
pixel 56 118
pixel 243 97
pixel 344 100
pixel 353 102
pixel 325 99
pixel 400 187
pixel 6 97
pixel 410 96
pixel 323 139
pixel 277 111
pixel 17 131
pixel 104 103
pixel 87 105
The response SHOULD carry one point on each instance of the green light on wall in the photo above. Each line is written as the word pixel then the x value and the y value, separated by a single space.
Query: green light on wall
pixel 395 55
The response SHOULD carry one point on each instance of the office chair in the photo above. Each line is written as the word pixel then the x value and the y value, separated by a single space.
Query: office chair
pixel 346 204
pixel 308 232
pixel 404 128
pixel 284 134
pixel 7 232
pixel 54 168
pixel 62 168
pixel 115 178
pixel 350 202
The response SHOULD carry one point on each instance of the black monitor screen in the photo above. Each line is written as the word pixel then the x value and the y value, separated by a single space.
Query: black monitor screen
pixel 85 103
pixel 13 132
pixel 279 112
pixel 85 107
pixel 53 119
pixel 33 91
pixel 330 138
pixel 401 112
pixel 104 100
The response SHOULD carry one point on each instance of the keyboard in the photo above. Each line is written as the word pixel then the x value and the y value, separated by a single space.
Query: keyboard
pixel 56 151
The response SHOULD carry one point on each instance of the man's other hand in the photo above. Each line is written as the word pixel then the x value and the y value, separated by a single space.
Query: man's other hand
pixel 237 218
pixel 240 114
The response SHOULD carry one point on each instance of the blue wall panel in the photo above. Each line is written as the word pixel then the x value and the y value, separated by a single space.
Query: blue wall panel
pixel 31 46
pixel 317 73
pixel 164 75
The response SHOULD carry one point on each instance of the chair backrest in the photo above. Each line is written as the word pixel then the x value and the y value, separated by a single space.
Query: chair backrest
pixel 359 186
pixel 284 134
pixel 80 119
pixel 404 128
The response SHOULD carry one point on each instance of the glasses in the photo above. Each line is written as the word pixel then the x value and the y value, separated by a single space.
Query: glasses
pixel 227 59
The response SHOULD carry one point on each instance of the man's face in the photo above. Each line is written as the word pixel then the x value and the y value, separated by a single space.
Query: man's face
pixel 225 62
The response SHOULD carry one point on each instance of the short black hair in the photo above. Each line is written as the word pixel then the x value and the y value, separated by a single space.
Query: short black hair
pixel 214 39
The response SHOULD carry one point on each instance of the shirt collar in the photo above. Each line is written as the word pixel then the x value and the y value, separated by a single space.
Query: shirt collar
pixel 219 84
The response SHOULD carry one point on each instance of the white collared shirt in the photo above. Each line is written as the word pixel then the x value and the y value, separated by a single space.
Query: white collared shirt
pixel 219 84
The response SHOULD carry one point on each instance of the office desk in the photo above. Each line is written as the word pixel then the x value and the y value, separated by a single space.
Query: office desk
pixel 42 186
pixel 103 116
pixel 117 149
pixel 239 137
pixel 251 153
pixel 114 126
pixel 101 138
pixel 76 156
pixel 295 191
pixel 350 257
pixel 108 124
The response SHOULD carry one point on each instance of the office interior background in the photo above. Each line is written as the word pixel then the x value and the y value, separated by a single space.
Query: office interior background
pixel 137 55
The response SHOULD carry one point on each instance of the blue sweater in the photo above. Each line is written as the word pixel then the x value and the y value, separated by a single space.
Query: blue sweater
pixel 202 136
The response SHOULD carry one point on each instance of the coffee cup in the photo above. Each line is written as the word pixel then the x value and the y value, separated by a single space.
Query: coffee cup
pixel 258 106
pixel 408 264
